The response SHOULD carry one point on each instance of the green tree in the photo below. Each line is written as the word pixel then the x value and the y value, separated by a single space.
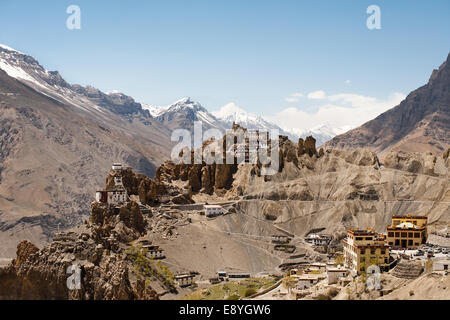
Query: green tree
pixel 339 259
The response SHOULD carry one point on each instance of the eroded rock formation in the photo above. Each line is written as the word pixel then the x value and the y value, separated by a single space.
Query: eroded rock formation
pixel 24 250
pixel 423 163
pixel 96 250
pixel 148 190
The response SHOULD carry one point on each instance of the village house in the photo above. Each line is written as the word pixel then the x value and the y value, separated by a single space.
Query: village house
pixel 407 232
pixel 318 240
pixel 363 248
pixel 213 210
pixel 306 281
pixel 184 280
pixel 316 267
pixel 116 195
pixel 441 265
pixel 239 275
pixel 221 274
pixel 155 252
pixel 334 275
pixel 280 239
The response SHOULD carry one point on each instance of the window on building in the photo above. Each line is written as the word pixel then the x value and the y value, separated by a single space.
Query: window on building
pixel 359 238
pixel 416 235
pixel 390 234
pixel 372 251
pixel 363 251
pixel 391 243
pixel 397 234
pixel 410 242
pixel 397 242
pixel 410 235
pixel 368 238
pixel 383 251
pixel 404 234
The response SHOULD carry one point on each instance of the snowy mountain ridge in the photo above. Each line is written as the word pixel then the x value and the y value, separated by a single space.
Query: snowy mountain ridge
pixel 89 99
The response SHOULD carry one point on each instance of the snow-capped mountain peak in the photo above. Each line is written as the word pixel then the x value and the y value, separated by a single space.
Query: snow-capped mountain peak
pixel 5 47
pixel 183 113
pixel 180 114
pixel 185 103
pixel 322 129
pixel 230 110
pixel 322 133
pixel 155 111
pixel 231 113
pixel 26 69
pixel 182 104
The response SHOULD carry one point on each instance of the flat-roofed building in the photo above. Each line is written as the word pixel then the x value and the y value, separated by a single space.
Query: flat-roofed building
pixel 113 197
pixel 116 195
pixel 407 232
pixel 363 248
pixel 306 281
pixel 441 265
pixel 212 210
pixel 318 239
pixel 335 274
pixel 317 267
pixel 184 280
pixel 281 239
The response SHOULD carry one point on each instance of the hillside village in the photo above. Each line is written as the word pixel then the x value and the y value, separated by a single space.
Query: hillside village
pixel 200 231
pixel 402 252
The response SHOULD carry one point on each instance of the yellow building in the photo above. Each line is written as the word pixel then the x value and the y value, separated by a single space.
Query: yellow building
pixel 363 248
pixel 407 232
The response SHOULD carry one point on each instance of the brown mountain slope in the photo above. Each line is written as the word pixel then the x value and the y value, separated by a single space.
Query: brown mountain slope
pixel 54 155
pixel 419 123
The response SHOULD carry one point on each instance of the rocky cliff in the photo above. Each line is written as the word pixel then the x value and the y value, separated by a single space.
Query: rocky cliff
pixel 103 248
pixel 97 248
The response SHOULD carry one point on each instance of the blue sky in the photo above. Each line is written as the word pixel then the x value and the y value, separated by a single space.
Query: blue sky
pixel 262 56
